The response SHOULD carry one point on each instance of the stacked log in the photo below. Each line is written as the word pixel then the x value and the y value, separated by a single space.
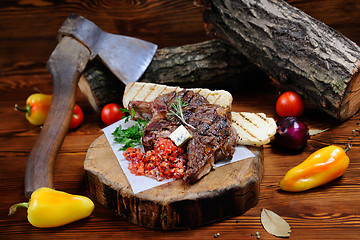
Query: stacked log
pixel 193 65
pixel 297 50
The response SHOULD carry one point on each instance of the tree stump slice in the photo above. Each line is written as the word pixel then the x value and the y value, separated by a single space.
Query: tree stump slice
pixel 226 191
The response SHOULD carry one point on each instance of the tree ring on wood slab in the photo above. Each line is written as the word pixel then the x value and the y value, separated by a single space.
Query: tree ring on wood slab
pixel 226 191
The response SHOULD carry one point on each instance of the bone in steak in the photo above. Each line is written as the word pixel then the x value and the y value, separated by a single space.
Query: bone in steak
pixel 212 139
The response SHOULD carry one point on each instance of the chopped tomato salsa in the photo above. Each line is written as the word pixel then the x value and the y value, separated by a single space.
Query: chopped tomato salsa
pixel 165 161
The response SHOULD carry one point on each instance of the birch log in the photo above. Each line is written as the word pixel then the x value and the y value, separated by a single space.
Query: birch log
pixel 295 49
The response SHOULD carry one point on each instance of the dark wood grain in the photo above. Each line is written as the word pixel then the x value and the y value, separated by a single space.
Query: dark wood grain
pixel 27 37
pixel 31 26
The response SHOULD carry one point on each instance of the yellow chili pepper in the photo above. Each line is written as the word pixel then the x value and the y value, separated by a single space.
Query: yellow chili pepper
pixel 319 168
pixel 51 208
pixel 37 108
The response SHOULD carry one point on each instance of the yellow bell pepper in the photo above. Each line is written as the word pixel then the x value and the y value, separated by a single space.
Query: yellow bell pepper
pixel 37 108
pixel 51 208
pixel 319 168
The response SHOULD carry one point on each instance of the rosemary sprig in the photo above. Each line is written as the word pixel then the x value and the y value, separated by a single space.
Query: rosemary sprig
pixel 177 111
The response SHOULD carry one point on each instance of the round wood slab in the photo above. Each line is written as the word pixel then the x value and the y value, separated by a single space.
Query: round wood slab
pixel 226 191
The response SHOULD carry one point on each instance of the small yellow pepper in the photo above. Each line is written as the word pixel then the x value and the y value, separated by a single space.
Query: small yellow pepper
pixel 37 108
pixel 319 168
pixel 51 208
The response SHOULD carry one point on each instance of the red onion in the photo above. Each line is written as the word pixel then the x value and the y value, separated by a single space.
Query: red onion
pixel 291 134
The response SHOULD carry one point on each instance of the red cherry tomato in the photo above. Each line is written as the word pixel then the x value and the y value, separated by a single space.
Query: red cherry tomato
pixel 77 117
pixel 290 104
pixel 111 113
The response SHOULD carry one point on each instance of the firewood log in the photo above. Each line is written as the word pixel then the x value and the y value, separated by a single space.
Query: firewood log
pixel 297 50
pixel 190 65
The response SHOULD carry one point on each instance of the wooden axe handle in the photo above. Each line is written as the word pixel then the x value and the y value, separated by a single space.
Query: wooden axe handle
pixel 66 64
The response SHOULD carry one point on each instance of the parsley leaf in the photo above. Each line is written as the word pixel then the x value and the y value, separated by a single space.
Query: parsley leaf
pixel 130 137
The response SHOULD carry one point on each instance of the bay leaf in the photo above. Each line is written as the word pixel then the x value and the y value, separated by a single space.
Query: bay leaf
pixel 274 224
pixel 313 132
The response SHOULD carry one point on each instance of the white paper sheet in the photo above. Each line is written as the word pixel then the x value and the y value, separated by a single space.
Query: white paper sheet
pixel 142 183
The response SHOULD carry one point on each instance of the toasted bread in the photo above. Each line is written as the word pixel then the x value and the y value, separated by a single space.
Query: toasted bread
pixel 140 91
pixel 254 129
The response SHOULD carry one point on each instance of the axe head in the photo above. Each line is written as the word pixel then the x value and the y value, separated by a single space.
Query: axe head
pixel 126 57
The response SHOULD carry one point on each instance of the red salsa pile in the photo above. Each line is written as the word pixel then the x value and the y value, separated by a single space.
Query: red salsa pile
pixel 165 161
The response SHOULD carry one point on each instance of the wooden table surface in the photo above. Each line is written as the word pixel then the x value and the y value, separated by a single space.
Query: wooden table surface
pixel 27 37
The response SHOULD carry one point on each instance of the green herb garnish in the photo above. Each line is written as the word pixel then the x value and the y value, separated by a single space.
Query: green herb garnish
pixel 177 110
pixel 130 137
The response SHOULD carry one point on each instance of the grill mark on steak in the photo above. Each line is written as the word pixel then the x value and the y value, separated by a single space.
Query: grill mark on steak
pixel 212 139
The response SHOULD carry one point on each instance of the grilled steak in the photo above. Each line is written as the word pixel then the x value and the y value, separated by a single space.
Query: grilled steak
pixel 212 139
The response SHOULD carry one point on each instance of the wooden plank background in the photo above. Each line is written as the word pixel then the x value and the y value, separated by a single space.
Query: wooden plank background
pixel 29 27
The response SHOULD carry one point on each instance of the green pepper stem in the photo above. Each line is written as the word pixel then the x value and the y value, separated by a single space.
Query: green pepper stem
pixel 20 109
pixel 348 147
pixel 14 207
pixel 27 109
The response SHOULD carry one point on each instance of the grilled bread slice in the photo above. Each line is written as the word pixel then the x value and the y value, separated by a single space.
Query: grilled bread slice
pixel 140 91
pixel 254 129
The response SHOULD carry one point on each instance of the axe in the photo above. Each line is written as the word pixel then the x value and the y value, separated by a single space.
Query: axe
pixel 80 41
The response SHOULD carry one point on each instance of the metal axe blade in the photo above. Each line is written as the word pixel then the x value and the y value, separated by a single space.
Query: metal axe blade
pixel 126 57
